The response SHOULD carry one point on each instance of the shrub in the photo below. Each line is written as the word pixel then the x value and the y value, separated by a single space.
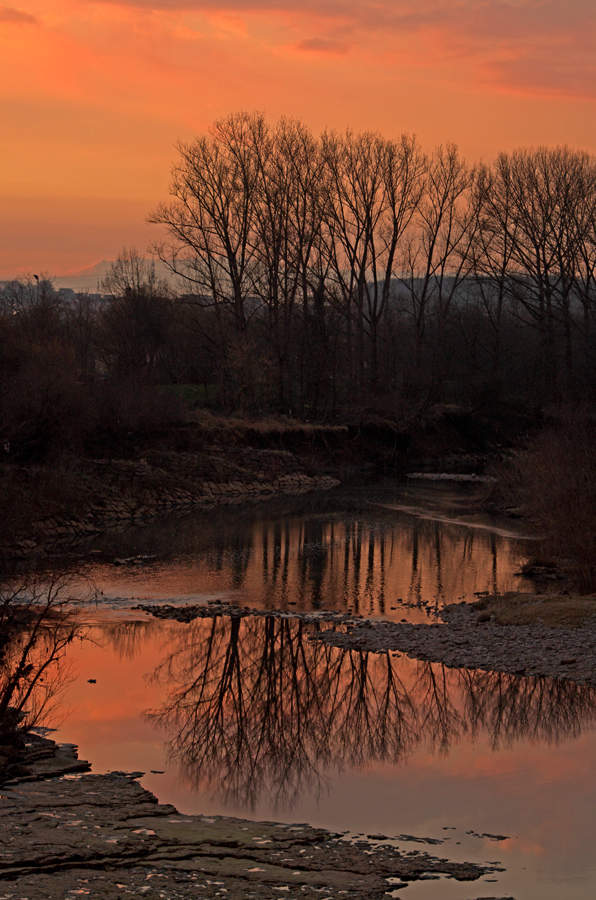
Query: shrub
pixel 556 483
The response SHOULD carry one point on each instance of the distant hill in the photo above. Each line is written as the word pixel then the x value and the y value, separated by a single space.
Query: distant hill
pixel 88 277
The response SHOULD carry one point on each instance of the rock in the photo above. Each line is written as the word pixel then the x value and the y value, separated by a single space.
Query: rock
pixel 522 650
pixel 105 836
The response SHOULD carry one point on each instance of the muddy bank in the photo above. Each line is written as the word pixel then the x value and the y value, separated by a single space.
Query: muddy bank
pixel 105 836
pixel 52 506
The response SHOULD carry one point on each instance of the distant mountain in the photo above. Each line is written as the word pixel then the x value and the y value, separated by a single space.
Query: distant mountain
pixel 89 277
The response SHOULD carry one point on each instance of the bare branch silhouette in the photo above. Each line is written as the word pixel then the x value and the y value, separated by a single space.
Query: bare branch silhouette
pixel 257 709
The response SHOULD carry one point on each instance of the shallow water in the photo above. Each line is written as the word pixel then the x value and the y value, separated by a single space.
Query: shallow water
pixel 252 718
pixel 396 551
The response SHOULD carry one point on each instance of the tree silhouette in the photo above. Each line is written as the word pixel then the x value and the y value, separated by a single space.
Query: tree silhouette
pixel 257 709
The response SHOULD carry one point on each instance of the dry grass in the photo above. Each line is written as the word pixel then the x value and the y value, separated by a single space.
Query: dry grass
pixel 267 426
pixel 554 610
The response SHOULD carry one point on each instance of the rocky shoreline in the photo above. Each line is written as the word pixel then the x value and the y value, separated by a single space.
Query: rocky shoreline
pixel 67 833
pixel 465 639
pixel 116 512
pixel 116 493
pixel 53 508
pixel 468 641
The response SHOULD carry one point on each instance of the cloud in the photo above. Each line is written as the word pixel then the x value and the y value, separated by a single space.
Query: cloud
pixel 325 7
pixel 95 99
pixel 492 39
pixel 10 14
pixel 525 46
pixel 324 46
pixel 563 77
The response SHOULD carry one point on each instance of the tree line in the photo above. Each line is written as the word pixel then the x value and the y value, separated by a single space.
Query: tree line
pixel 356 269
pixel 318 274
pixel 79 372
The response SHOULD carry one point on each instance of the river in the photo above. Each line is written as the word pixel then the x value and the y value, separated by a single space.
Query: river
pixel 249 717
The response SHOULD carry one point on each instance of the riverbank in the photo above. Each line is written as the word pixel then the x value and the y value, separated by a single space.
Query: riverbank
pixel 52 506
pixel 466 638
pixel 471 640
pixel 106 836
pixel 110 494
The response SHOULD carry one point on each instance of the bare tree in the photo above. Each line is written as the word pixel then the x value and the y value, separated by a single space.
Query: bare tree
pixel 38 621
pixel 288 228
pixel 374 189
pixel 343 269
pixel 530 202
pixel 212 226
pixel 437 260
pixel 211 221
pixel 82 320
pixel 133 323
pixel 256 707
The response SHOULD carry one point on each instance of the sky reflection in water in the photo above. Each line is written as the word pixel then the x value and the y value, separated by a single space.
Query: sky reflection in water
pixel 251 718
pixel 256 711
pixel 348 550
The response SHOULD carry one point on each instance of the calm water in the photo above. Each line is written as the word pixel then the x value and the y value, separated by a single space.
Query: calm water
pixel 380 550
pixel 252 718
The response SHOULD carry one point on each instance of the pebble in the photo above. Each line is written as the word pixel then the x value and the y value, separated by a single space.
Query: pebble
pixel 464 642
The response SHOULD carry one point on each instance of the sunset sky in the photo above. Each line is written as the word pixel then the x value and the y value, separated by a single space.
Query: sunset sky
pixel 95 94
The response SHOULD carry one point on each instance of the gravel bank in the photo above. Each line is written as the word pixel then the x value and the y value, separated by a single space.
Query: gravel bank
pixel 463 640
pixel 466 641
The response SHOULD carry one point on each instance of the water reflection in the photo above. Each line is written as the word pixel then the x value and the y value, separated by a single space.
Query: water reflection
pixel 255 710
pixel 338 553
pixel 36 628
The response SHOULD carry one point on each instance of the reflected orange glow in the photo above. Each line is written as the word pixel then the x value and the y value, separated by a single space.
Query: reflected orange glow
pixel 535 786
pixel 394 564
pixel 95 94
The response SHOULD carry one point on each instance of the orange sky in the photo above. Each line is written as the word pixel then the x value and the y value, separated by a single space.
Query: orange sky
pixel 95 94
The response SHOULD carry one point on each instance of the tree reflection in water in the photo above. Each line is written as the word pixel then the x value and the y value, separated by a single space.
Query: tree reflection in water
pixel 258 711
pixel 37 624
pixel 342 551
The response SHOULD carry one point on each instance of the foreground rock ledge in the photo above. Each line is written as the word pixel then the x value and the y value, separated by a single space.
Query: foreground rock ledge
pixel 105 836
pixel 465 641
